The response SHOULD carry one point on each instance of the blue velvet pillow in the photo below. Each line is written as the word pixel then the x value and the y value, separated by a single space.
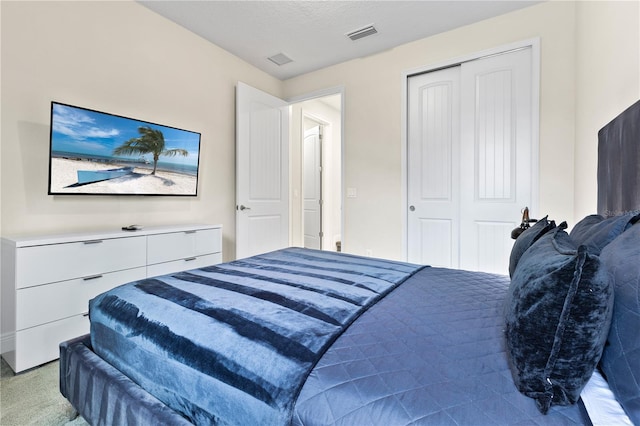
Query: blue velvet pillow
pixel 598 233
pixel 621 356
pixel 526 239
pixel 557 315
pixel 580 231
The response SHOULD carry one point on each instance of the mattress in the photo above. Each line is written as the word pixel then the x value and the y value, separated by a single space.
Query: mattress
pixel 233 343
pixel 430 353
pixel 417 346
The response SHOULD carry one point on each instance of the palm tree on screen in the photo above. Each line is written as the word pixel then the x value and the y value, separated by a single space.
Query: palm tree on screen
pixel 150 141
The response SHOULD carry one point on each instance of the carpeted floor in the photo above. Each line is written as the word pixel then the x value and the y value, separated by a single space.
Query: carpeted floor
pixel 33 398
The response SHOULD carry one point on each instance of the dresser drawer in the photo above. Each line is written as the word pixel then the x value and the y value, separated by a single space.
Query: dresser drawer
pixel 52 302
pixel 183 265
pixel 60 262
pixel 48 281
pixel 181 245
pixel 40 344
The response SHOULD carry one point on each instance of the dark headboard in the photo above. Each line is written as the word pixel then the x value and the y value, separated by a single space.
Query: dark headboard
pixel 619 164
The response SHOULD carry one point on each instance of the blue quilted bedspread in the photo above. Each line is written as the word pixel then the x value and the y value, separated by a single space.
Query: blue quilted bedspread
pixel 234 343
pixel 429 353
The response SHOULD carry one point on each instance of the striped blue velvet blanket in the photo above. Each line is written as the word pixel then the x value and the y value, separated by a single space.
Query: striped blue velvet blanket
pixel 234 343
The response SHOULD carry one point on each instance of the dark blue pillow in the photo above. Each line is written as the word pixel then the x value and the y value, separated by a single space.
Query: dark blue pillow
pixel 621 357
pixel 557 314
pixel 580 231
pixel 597 234
pixel 526 239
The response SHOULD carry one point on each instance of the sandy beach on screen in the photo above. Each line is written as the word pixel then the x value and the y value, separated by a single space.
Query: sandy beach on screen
pixel 140 181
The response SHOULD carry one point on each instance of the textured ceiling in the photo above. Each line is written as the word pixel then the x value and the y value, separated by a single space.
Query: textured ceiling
pixel 313 33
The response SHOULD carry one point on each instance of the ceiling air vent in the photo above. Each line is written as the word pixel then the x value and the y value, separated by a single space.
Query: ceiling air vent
pixel 362 32
pixel 280 59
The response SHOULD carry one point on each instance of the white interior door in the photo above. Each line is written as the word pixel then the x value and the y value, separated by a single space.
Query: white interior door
pixel 496 113
pixel 262 174
pixel 434 168
pixel 470 167
pixel 312 188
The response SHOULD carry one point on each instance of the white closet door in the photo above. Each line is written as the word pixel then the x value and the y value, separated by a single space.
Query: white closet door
pixel 496 141
pixel 434 168
pixel 469 161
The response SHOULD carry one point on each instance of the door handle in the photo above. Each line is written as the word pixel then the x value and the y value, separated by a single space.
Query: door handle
pixel 244 208
pixel 412 208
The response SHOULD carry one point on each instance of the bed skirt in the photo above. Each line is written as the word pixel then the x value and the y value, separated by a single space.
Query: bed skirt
pixel 103 395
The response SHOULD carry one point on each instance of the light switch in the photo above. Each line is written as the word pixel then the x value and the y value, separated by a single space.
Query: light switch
pixel 352 192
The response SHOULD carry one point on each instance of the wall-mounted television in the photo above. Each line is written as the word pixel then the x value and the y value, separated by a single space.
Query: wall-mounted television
pixel 97 153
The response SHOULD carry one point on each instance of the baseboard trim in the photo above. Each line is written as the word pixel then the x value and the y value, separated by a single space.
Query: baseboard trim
pixel 7 343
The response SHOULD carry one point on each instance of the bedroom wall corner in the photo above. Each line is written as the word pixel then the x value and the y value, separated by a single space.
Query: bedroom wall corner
pixel 122 58
pixel 608 81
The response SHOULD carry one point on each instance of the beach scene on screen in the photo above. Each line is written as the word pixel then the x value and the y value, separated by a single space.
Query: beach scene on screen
pixel 99 153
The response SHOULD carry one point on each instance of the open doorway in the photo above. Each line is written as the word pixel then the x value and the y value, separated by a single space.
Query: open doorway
pixel 316 173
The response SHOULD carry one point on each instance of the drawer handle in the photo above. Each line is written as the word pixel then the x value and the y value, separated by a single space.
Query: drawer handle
pixel 93 242
pixel 189 232
pixel 92 277
pixel 189 259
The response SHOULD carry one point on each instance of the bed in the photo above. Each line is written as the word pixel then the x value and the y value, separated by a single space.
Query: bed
pixel 307 337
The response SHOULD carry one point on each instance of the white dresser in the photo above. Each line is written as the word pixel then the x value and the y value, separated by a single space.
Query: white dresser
pixel 47 281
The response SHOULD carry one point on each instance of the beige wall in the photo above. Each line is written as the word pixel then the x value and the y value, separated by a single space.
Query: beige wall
pixel 373 96
pixel 608 81
pixel 373 127
pixel 121 58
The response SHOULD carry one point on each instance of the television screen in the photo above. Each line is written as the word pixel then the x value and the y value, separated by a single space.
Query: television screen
pixel 98 153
